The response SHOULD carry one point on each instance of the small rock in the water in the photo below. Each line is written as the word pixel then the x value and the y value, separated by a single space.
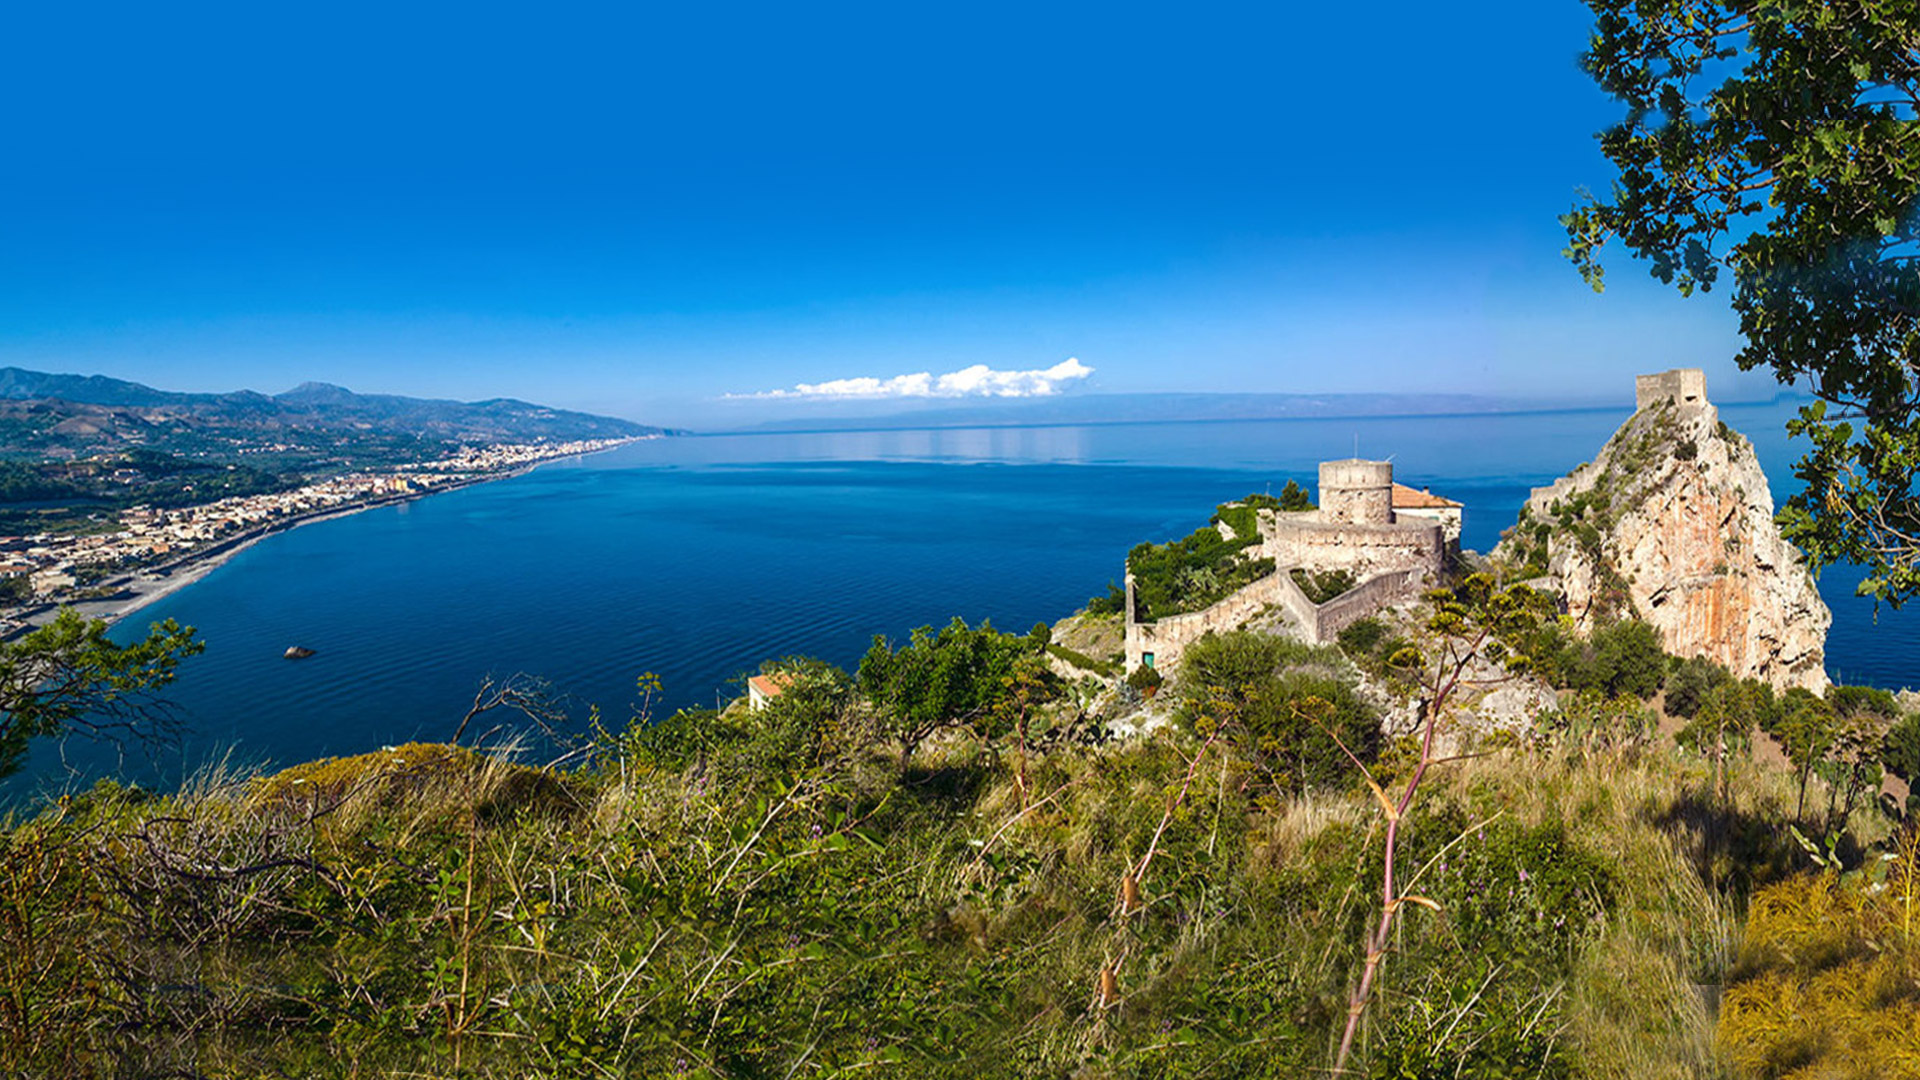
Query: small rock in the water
pixel 298 652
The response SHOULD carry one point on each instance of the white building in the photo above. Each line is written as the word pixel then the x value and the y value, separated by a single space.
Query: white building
pixel 1425 504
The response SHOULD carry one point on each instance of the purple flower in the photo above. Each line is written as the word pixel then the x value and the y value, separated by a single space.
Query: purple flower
pixel 1523 874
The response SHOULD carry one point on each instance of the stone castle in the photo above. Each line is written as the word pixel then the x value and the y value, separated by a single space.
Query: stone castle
pixel 1684 387
pixel 1682 537
pixel 1392 551
pixel 1687 542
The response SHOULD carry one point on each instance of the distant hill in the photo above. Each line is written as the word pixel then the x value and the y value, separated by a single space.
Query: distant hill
pixel 54 415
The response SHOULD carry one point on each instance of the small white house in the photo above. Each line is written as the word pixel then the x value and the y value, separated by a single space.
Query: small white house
pixel 1425 504
pixel 762 689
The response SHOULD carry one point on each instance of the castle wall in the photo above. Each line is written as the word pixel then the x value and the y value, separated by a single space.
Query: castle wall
pixel 1364 599
pixel 1448 518
pixel 1682 386
pixel 1354 530
pixel 1168 637
pixel 1308 540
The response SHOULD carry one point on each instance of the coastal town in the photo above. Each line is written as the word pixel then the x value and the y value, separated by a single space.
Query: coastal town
pixel 111 571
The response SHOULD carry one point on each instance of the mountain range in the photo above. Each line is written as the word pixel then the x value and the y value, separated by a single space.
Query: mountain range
pixel 57 415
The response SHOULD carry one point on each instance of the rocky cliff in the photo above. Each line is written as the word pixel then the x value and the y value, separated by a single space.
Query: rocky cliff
pixel 1673 523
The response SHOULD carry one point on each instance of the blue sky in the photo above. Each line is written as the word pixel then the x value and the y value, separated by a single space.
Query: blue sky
pixel 643 209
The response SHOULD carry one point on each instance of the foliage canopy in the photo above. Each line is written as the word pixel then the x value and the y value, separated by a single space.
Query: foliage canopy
pixel 957 676
pixel 68 677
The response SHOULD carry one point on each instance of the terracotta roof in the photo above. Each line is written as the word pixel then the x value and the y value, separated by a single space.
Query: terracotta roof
pixel 770 686
pixel 1405 498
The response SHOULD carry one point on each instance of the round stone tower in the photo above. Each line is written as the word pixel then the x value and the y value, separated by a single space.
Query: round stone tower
pixel 1356 492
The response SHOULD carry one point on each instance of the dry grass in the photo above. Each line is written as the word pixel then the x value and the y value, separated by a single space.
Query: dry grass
pixel 1641 1000
pixel 1826 985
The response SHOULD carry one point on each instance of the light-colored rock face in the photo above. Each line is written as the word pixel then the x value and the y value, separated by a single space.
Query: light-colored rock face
pixel 1673 523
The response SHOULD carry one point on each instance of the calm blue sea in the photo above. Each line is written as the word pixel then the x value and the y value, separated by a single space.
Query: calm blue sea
pixel 698 557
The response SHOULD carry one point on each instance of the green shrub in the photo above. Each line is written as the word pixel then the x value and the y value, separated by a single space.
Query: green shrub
pixel 1361 638
pixel 1692 682
pixel 941 680
pixel 1113 603
pixel 1281 706
pixel 1203 568
pixel 1851 701
pixel 1082 660
pixel 1900 750
pixel 1372 648
pixel 1619 658
pixel 1321 586
pixel 677 741
pixel 805 724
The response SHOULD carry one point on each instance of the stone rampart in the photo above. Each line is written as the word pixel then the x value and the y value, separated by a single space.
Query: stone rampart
pixel 1166 638
pixel 1305 613
pixel 1555 492
pixel 1306 539
pixel 1363 600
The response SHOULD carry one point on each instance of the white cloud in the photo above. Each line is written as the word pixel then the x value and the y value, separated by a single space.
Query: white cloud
pixel 976 381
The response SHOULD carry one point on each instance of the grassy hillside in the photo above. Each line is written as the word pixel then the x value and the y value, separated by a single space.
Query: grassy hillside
pixel 777 894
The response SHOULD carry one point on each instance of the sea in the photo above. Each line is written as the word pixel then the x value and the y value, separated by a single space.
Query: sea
pixel 695 558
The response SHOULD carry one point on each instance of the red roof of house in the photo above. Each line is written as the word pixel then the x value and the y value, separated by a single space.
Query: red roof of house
pixel 1405 498
pixel 770 686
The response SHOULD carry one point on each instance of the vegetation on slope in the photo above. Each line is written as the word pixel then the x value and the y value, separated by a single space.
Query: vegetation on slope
pixel 1203 568
pixel 784 892
pixel 51 496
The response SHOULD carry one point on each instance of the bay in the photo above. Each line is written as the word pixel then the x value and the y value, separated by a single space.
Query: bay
pixel 698 557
